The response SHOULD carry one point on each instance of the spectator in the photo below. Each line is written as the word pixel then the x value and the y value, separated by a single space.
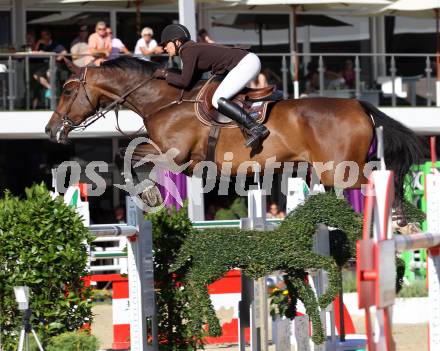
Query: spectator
pixel 41 74
pixel 203 36
pixel 82 36
pixel 333 80
pixel 274 212
pixel 46 44
pixel 118 46
pixel 312 78
pixel 30 40
pixel 146 45
pixel 349 74
pixel 100 45
pixel 79 47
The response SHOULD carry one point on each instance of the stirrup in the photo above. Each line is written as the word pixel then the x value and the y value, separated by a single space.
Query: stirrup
pixel 251 140
pixel 256 135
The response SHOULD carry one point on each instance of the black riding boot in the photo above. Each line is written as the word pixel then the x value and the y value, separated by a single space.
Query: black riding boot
pixel 232 110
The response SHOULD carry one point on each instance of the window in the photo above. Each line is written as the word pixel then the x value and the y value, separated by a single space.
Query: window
pixel 5 29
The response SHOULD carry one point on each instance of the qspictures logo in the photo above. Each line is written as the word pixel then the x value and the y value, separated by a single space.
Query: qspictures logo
pixel 141 178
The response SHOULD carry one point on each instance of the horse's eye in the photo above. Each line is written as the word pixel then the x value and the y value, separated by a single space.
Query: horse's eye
pixel 67 92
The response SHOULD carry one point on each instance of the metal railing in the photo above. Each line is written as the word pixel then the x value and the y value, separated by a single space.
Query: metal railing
pixel 384 83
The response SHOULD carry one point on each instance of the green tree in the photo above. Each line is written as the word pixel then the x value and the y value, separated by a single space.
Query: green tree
pixel 170 229
pixel 43 246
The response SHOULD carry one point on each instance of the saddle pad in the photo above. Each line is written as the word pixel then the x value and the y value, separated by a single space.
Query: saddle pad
pixel 208 115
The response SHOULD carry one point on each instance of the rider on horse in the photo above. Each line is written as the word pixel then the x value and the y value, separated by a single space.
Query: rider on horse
pixel 240 65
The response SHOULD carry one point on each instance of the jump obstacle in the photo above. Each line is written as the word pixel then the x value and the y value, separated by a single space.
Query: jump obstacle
pixel 134 318
pixel 376 268
pixel 133 310
pixel 141 324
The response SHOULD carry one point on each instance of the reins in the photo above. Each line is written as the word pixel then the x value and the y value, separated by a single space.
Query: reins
pixel 161 108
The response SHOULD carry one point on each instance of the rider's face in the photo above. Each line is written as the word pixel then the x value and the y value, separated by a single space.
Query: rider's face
pixel 170 48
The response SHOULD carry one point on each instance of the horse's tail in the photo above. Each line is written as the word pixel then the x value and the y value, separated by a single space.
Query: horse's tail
pixel 402 147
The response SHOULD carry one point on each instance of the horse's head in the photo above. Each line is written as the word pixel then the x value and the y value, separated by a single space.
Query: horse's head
pixel 83 93
pixel 78 101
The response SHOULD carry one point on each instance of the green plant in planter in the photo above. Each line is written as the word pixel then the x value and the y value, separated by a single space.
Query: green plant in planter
pixel 208 254
pixel 43 247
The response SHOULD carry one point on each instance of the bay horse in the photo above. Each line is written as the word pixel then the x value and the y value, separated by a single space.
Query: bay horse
pixel 311 129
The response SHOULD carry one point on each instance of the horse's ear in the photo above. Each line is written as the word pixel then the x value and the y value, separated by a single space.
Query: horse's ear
pixel 71 66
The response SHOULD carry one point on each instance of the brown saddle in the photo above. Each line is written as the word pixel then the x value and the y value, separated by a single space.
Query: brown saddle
pixel 254 101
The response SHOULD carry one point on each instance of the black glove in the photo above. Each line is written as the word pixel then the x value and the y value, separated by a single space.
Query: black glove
pixel 160 73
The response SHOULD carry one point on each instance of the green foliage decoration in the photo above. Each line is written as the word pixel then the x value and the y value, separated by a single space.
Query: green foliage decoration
pixel 208 254
pixel 43 247
pixel 199 257
pixel 412 213
pixel 73 341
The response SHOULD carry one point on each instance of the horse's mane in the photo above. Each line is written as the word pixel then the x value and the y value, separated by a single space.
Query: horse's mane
pixel 127 63
pixel 131 63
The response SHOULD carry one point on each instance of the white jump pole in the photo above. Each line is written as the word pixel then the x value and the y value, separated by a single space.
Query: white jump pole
pixel 432 195
pixel 417 241
pixel 297 191
pixel 141 281
pixel 253 304
pixel 196 204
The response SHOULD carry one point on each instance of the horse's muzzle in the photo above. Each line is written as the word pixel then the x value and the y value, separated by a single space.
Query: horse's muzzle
pixel 48 131
pixel 56 134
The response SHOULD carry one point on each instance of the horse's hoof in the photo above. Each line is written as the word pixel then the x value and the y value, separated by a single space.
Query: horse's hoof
pixel 410 228
pixel 152 197
pixel 402 222
pixel 398 216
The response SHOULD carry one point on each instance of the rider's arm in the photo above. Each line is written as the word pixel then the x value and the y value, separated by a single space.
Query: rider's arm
pixel 189 62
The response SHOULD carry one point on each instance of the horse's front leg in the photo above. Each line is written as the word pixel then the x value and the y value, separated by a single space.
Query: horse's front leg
pixel 327 263
pixel 303 291
pixel 137 164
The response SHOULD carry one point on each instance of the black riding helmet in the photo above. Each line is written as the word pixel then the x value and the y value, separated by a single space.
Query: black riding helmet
pixel 173 32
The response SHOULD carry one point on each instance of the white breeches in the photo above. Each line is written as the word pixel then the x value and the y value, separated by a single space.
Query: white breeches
pixel 245 71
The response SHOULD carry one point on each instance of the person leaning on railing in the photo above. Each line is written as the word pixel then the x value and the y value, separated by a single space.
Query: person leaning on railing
pixel 100 44
pixel 146 45
pixel 41 72
pixel 118 47
pixel 79 47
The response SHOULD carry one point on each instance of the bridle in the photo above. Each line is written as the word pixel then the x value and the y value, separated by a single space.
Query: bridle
pixel 68 122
